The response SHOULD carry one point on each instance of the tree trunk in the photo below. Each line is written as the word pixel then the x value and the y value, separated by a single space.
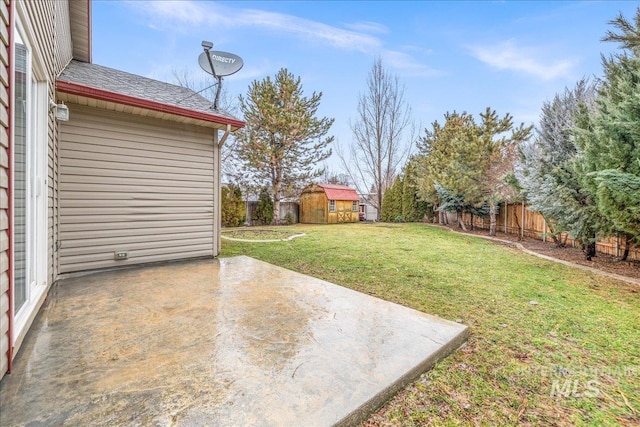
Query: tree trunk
pixel 625 254
pixel 461 222
pixel 276 203
pixel 554 236
pixel 589 250
pixel 563 241
pixel 492 218
pixel 442 219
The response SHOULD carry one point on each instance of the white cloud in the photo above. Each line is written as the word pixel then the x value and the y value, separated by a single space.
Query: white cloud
pixel 337 37
pixel 509 56
pixel 368 27
pixel 408 65
pixel 418 49
pixel 171 12
pixel 184 15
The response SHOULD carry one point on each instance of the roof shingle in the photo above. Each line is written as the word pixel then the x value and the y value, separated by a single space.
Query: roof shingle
pixel 132 85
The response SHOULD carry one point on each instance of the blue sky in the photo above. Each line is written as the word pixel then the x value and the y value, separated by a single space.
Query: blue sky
pixel 450 55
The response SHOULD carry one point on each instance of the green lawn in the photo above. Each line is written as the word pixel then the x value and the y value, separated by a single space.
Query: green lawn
pixel 549 344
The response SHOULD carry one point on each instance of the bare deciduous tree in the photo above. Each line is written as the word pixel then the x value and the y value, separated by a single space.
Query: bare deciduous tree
pixel 378 148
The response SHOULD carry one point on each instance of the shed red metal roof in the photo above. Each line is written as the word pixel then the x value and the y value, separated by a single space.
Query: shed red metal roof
pixel 339 192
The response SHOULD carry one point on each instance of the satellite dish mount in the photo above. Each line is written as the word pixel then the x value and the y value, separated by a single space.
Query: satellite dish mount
pixel 218 64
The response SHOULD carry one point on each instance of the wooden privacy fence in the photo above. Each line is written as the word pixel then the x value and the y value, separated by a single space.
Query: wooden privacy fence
pixel 518 219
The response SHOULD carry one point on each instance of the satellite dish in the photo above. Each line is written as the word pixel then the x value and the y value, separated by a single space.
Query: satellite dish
pixel 223 63
pixel 218 64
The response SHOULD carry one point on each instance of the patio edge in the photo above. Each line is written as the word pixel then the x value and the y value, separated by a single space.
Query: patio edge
pixel 365 410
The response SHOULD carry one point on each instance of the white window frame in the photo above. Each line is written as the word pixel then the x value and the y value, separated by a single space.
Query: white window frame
pixel 36 171
pixel 332 205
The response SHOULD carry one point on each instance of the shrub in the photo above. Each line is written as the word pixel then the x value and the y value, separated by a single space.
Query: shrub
pixel 264 210
pixel 233 209
pixel 289 219
pixel 392 202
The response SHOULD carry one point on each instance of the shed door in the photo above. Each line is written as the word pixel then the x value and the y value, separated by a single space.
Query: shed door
pixel 343 212
pixel 135 186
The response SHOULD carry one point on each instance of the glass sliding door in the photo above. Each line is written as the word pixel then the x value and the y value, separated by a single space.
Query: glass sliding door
pixel 30 130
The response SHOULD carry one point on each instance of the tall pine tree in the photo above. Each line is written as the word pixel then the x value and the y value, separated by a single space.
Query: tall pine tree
pixel 609 137
pixel 469 160
pixel 546 171
pixel 392 202
pixel 413 208
pixel 283 141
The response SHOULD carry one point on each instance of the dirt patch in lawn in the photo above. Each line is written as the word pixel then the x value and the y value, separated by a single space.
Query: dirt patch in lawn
pixel 602 262
pixel 260 234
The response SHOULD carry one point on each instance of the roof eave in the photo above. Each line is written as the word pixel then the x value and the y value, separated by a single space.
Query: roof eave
pixel 104 95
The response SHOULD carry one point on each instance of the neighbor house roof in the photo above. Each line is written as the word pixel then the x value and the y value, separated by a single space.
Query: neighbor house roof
pixel 81 81
pixel 339 192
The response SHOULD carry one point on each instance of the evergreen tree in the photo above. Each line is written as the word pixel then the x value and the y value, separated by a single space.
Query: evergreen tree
pixel 546 170
pixel 392 202
pixel 283 141
pixel 609 137
pixel 618 198
pixel 470 160
pixel 264 210
pixel 441 154
pixel 233 208
pixel 452 202
pixel 497 146
pixel 413 208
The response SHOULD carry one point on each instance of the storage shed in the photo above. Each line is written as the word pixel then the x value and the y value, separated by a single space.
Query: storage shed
pixel 329 204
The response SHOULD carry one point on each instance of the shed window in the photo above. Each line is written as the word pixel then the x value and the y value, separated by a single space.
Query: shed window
pixel 332 205
pixel 355 206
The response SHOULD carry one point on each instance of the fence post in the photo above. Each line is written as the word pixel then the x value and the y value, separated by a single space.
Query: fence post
pixel 522 228
pixel 544 229
pixel 506 211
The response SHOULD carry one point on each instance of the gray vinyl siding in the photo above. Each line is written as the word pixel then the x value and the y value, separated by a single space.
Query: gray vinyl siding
pixel 4 184
pixel 130 183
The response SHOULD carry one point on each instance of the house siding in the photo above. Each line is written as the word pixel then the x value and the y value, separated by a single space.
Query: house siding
pixel 134 184
pixel 5 70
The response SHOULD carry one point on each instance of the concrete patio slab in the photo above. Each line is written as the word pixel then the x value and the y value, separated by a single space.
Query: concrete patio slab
pixel 229 342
